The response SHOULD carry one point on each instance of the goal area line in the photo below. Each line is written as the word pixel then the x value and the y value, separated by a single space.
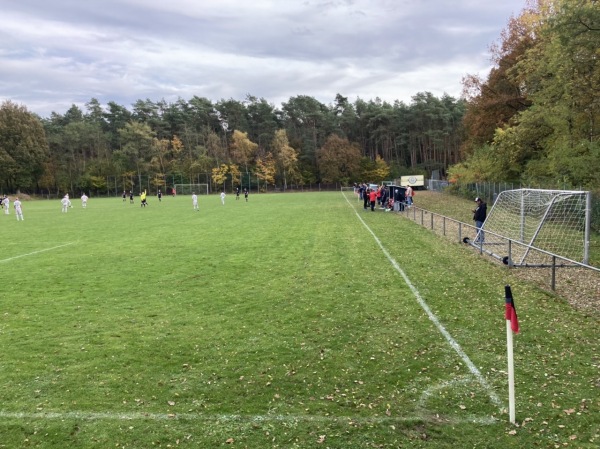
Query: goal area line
pixel 240 418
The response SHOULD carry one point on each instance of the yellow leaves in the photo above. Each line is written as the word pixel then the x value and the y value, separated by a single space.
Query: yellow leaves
pixel 265 169
pixel 219 174
pixel 242 148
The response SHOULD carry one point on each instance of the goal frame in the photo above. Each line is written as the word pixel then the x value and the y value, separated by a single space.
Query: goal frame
pixel 350 189
pixel 554 197
pixel 188 189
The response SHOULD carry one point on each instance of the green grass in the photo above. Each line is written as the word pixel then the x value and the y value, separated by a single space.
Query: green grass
pixel 273 323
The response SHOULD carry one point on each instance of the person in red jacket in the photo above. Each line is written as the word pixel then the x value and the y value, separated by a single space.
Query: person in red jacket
pixel 373 198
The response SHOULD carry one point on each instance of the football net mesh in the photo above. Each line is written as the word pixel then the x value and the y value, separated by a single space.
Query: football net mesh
pixel 555 221
pixel 188 189
pixel 350 192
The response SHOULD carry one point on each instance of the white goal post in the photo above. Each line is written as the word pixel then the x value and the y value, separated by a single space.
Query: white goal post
pixel 556 221
pixel 188 189
pixel 350 190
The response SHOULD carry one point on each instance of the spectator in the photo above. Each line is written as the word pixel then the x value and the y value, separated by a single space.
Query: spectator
pixel 479 215
pixel 373 199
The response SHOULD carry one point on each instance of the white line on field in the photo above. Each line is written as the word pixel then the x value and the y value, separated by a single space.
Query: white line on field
pixel 95 416
pixel 431 315
pixel 35 252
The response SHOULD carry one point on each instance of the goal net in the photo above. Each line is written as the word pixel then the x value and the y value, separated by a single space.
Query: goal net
pixel 556 221
pixel 188 189
pixel 350 192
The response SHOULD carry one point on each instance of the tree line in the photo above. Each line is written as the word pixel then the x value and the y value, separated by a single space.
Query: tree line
pixel 302 142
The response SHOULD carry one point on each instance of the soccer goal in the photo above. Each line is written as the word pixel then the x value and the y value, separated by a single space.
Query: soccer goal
pixel 348 191
pixel 556 221
pixel 188 189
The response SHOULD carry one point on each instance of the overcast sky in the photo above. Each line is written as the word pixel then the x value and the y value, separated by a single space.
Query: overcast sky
pixel 55 53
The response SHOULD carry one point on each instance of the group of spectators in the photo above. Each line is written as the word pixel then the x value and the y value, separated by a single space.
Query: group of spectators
pixel 380 195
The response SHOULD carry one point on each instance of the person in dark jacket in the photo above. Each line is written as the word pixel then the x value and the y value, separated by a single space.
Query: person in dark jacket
pixel 479 215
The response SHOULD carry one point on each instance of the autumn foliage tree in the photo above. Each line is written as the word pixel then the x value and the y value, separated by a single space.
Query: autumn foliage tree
pixel 23 147
pixel 492 102
pixel 219 175
pixel 243 150
pixel 265 170
pixel 545 129
pixel 286 158
pixel 338 160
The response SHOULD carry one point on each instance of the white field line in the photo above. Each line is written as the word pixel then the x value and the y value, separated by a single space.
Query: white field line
pixel 35 252
pixel 472 368
pixel 290 419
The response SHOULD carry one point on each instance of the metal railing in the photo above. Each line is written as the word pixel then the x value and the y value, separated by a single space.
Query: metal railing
pixel 565 276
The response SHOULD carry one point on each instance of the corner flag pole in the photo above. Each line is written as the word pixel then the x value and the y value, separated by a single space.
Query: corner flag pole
pixel 512 325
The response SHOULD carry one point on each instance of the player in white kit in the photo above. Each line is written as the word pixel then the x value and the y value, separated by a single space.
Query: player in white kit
pixel 18 209
pixel 66 203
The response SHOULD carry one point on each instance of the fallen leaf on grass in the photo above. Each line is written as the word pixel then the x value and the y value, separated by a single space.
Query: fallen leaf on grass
pixel 321 439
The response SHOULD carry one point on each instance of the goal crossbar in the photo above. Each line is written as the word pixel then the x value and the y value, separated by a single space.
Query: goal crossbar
pixel 188 189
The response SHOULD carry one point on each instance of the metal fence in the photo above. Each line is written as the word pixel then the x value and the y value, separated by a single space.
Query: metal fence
pixel 571 279
pixel 489 191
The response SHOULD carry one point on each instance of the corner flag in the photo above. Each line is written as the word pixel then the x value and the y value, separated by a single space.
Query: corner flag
pixel 511 312
pixel 512 325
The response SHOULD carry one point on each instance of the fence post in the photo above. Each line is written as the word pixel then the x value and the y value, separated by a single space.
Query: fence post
pixel 460 232
pixel 431 221
pixel 553 285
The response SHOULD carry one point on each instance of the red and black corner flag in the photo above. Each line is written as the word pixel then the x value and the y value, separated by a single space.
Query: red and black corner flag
pixel 511 312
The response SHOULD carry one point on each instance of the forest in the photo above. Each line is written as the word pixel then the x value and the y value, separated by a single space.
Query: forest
pixel 533 120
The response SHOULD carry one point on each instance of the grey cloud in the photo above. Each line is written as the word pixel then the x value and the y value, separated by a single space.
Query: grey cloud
pixel 124 50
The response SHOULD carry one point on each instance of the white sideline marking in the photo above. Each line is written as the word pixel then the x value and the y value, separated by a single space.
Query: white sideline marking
pixel 35 252
pixel 432 316
pixel 95 416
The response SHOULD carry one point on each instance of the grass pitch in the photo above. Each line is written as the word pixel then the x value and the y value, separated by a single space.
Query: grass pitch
pixel 279 322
